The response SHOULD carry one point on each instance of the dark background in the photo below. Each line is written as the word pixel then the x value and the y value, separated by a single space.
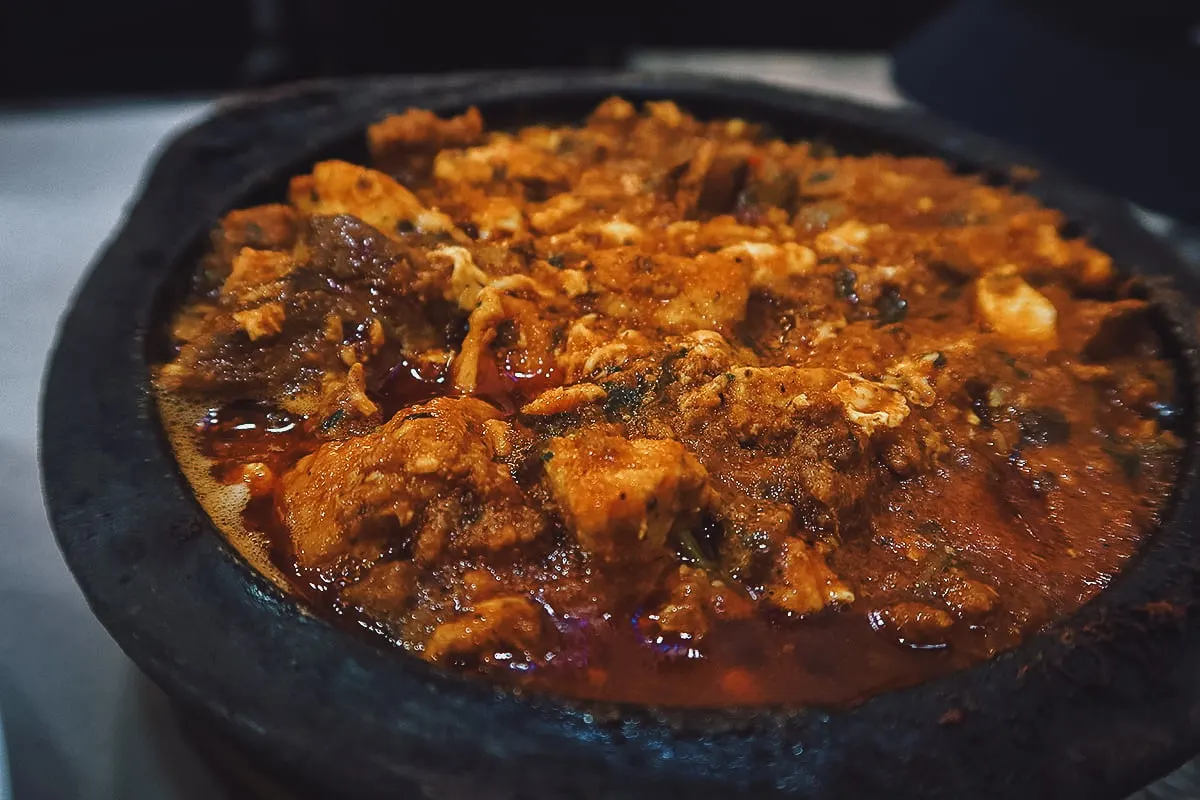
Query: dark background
pixel 1108 89
pixel 58 47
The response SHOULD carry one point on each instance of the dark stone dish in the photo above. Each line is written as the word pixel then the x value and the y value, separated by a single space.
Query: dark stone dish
pixel 1095 707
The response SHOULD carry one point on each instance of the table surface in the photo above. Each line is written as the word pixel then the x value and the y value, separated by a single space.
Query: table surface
pixel 80 720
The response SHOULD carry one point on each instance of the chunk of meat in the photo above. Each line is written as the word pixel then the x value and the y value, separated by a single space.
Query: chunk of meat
pixel 1104 331
pixel 805 583
pixel 287 322
pixel 687 609
pixel 514 624
pixel 386 591
pixel 619 496
pixel 425 480
pixel 695 602
pixel 813 431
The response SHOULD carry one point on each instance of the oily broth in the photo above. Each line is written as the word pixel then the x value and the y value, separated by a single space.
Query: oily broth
pixel 225 503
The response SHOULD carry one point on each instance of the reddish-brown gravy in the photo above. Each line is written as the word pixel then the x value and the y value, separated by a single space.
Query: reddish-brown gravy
pixel 663 411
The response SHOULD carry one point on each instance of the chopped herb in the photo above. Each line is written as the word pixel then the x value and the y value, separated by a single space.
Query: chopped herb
pixel 666 374
pixel 891 306
pixel 332 420
pixel 844 282
pixel 820 177
pixel 693 552
pixel 557 261
pixel 1043 426
pixel 623 401
pixel 547 455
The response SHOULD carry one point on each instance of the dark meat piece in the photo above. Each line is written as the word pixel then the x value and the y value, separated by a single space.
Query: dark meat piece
pixel 286 322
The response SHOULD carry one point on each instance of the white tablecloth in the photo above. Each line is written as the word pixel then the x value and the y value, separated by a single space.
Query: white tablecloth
pixel 80 720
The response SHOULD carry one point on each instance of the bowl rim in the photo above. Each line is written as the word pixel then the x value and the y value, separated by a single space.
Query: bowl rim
pixel 143 550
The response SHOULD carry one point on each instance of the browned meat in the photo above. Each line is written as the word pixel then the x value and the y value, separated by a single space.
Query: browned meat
pixel 621 497
pixel 426 481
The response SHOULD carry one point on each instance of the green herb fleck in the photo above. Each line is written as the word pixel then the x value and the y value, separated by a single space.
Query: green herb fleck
pixel 692 549
pixel 891 306
pixel 623 401
pixel 332 420
pixel 844 282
